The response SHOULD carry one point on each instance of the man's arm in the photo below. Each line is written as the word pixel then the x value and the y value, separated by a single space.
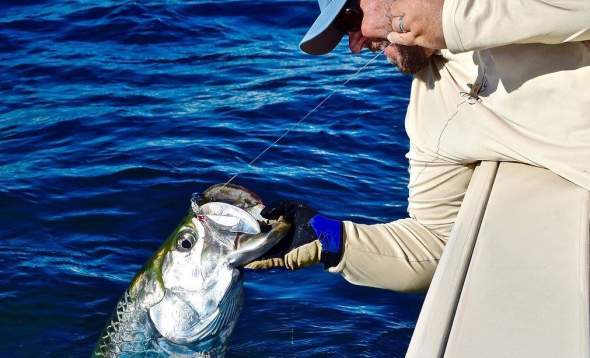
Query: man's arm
pixel 403 255
pixel 466 25
pixel 479 24
pixel 399 256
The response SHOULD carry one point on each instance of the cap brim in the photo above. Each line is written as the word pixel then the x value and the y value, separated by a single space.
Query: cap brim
pixel 322 37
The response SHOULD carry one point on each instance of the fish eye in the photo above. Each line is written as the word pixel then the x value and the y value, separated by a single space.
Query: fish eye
pixel 186 240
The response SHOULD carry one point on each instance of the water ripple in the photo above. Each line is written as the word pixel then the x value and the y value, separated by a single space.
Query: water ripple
pixel 113 113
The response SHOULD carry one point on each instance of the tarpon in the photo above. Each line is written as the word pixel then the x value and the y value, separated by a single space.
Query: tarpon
pixel 186 300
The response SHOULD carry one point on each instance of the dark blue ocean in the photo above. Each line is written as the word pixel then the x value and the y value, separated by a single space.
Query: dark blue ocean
pixel 113 112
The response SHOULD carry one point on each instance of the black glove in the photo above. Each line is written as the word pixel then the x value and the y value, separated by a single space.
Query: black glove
pixel 312 239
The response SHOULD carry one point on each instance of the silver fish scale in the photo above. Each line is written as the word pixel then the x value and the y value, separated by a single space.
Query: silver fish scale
pixel 128 331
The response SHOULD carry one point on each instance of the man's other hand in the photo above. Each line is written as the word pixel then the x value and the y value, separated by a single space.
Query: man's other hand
pixel 378 21
pixel 417 23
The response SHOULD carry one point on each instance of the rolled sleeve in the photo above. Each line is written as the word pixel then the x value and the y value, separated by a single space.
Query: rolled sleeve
pixel 473 25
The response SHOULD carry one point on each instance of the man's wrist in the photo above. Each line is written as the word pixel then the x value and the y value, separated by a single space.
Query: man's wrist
pixel 329 234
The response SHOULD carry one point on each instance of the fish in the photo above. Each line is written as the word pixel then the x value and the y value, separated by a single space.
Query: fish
pixel 186 300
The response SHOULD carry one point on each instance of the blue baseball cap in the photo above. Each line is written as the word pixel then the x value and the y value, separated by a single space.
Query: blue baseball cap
pixel 322 37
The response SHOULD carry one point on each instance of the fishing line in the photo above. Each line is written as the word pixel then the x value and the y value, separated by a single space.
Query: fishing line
pixel 293 126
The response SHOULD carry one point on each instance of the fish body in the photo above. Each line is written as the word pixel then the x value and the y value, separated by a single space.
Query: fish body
pixel 186 300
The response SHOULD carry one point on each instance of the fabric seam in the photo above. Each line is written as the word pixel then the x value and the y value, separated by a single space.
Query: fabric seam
pixel 402 258
pixel 450 13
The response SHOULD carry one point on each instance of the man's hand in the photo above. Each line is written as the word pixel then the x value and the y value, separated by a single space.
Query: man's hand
pixel 417 23
pixel 410 53
pixel 421 22
pixel 312 239
pixel 377 18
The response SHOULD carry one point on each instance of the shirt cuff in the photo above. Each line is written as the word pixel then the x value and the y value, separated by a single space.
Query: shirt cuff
pixel 329 234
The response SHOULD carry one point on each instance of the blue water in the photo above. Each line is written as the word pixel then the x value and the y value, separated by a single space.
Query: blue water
pixel 112 113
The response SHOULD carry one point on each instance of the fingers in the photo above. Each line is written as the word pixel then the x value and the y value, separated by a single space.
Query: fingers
pixel 405 31
pixel 303 256
pixel 285 208
pixel 400 24
pixel 277 209
pixel 417 23
pixel 405 39
pixel 374 33
pixel 266 264
pixel 300 257
pixel 270 212
pixel 376 23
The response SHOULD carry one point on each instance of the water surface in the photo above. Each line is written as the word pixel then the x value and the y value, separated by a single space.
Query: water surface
pixel 114 112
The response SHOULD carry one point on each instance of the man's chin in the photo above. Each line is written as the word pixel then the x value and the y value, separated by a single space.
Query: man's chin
pixel 409 59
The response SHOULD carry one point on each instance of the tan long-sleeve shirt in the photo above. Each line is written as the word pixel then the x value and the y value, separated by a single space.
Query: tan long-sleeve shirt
pixel 513 86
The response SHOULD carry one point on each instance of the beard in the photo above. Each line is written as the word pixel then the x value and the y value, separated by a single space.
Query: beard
pixel 409 59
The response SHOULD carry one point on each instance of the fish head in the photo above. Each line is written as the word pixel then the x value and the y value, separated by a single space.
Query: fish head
pixel 193 283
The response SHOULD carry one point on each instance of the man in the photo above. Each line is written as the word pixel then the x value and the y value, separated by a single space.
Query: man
pixel 499 80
